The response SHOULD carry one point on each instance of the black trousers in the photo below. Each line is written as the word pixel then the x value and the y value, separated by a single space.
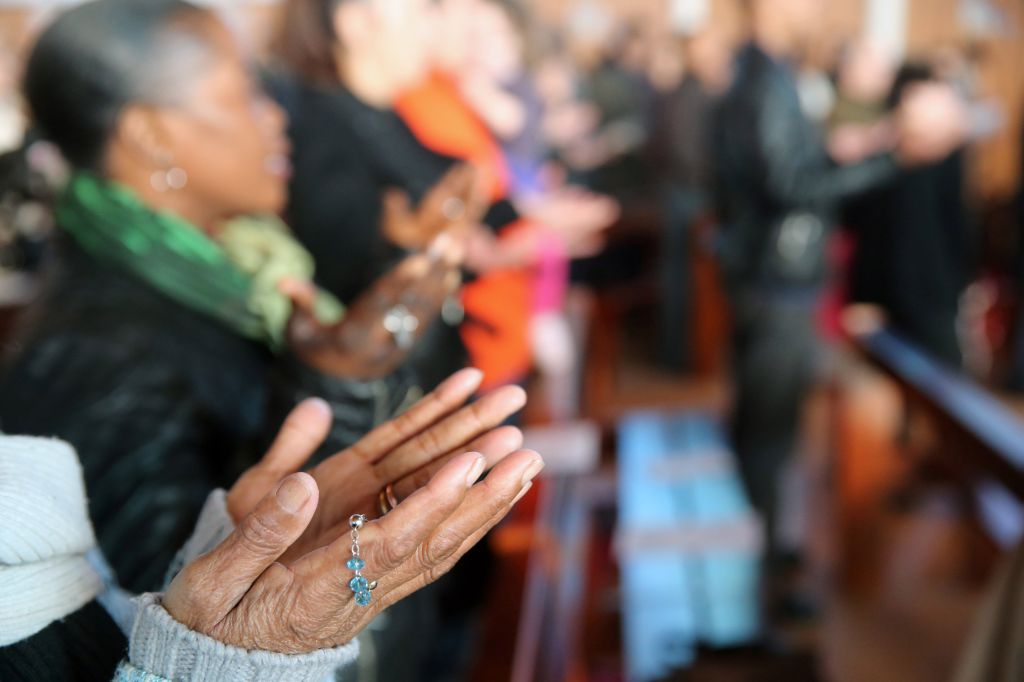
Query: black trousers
pixel 775 353
pixel 681 208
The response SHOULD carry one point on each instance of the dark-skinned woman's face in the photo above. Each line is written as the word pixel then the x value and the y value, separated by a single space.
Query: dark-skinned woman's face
pixel 227 135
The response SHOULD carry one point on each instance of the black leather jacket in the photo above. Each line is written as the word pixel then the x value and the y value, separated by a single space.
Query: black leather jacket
pixel 778 191
pixel 162 403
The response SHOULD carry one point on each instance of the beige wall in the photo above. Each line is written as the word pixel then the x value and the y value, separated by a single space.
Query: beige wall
pixel 998 161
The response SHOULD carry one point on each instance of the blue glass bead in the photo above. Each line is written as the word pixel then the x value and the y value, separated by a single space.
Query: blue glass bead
pixel 359 584
pixel 356 564
pixel 363 598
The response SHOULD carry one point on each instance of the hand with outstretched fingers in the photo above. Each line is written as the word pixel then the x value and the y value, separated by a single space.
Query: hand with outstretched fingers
pixel 241 594
pixel 404 453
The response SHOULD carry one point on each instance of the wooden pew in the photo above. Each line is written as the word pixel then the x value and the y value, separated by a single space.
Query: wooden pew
pixel 976 445
pixel 925 500
pixel 987 436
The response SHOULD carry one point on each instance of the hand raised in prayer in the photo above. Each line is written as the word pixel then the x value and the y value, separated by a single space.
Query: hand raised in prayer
pixel 457 201
pixel 243 595
pixel 404 453
pixel 380 327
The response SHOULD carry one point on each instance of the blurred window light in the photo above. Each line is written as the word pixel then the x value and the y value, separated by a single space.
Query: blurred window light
pixel 982 18
pixel 688 17
pixel 885 24
pixel 591 21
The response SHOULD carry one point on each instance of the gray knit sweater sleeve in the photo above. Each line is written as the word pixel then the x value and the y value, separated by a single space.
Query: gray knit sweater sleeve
pixel 213 527
pixel 162 649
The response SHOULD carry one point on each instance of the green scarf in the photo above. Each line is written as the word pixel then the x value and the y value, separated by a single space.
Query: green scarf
pixel 234 279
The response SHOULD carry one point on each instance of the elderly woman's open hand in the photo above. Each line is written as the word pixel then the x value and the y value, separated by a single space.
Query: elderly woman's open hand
pixel 400 456
pixel 240 594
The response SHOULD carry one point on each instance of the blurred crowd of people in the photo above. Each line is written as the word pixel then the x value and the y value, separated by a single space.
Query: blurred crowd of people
pixel 399 190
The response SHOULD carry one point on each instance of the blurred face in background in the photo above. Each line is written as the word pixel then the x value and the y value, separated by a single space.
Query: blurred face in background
pixel 867 72
pixel 793 24
pixel 803 17
pixel 590 31
pixel 709 58
pixel 455 40
pixel 497 46
pixel 667 66
pixel 226 135
pixel 635 52
pixel 390 38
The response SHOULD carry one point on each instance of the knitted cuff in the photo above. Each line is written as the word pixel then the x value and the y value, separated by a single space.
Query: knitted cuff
pixel 213 527
pixel 161 646
pixel 126 672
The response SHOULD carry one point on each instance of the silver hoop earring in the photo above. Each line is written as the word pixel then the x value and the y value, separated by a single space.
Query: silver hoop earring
pixel 177 178
pixel 158 180
pixel 173 178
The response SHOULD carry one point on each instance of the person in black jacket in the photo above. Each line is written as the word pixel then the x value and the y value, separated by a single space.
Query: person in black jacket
pixel 679 151
pixel 778 193
pixel 340 67
pixel 914 245
pixel 349 147
pixel 162 334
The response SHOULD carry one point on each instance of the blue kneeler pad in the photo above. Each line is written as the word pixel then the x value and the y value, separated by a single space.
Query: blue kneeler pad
pixel 688 542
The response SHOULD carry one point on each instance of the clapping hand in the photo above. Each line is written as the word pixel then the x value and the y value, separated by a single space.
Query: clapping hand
pixel 363 344
pixel 403 453
pixel 456 202
pixel 242 595
pixel 280 581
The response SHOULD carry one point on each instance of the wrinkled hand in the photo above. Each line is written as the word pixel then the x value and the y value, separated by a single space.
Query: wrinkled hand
pixel 457 201
pixel 360 346
pixel 405 452
pixel 241 595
